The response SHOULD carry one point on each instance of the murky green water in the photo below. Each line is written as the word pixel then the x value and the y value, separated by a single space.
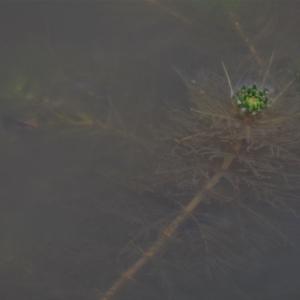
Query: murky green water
pixel 114 117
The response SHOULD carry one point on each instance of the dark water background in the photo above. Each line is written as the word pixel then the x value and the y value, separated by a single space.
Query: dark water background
pixel 68 227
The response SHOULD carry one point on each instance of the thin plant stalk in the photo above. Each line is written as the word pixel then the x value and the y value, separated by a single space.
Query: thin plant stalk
pixel 168 233
pixel 244 37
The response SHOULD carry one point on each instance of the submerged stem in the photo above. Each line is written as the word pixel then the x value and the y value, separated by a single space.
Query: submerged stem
pixel 171 229
pixel 268 69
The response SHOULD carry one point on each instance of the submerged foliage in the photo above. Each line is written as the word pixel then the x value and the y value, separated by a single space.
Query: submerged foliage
pixel 206 134
pixel 218 173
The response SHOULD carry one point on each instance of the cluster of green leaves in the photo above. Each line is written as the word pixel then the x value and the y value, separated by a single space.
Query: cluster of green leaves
pixel 251 99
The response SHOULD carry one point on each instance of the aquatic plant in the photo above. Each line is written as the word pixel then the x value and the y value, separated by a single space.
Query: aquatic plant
pixel 213 182
pixel 220 151
pixel 250 99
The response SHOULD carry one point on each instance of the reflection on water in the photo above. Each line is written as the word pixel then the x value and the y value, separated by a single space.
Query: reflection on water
pixel 112 188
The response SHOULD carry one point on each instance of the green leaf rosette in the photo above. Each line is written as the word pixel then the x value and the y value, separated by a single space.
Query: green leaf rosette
pixel 251 99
